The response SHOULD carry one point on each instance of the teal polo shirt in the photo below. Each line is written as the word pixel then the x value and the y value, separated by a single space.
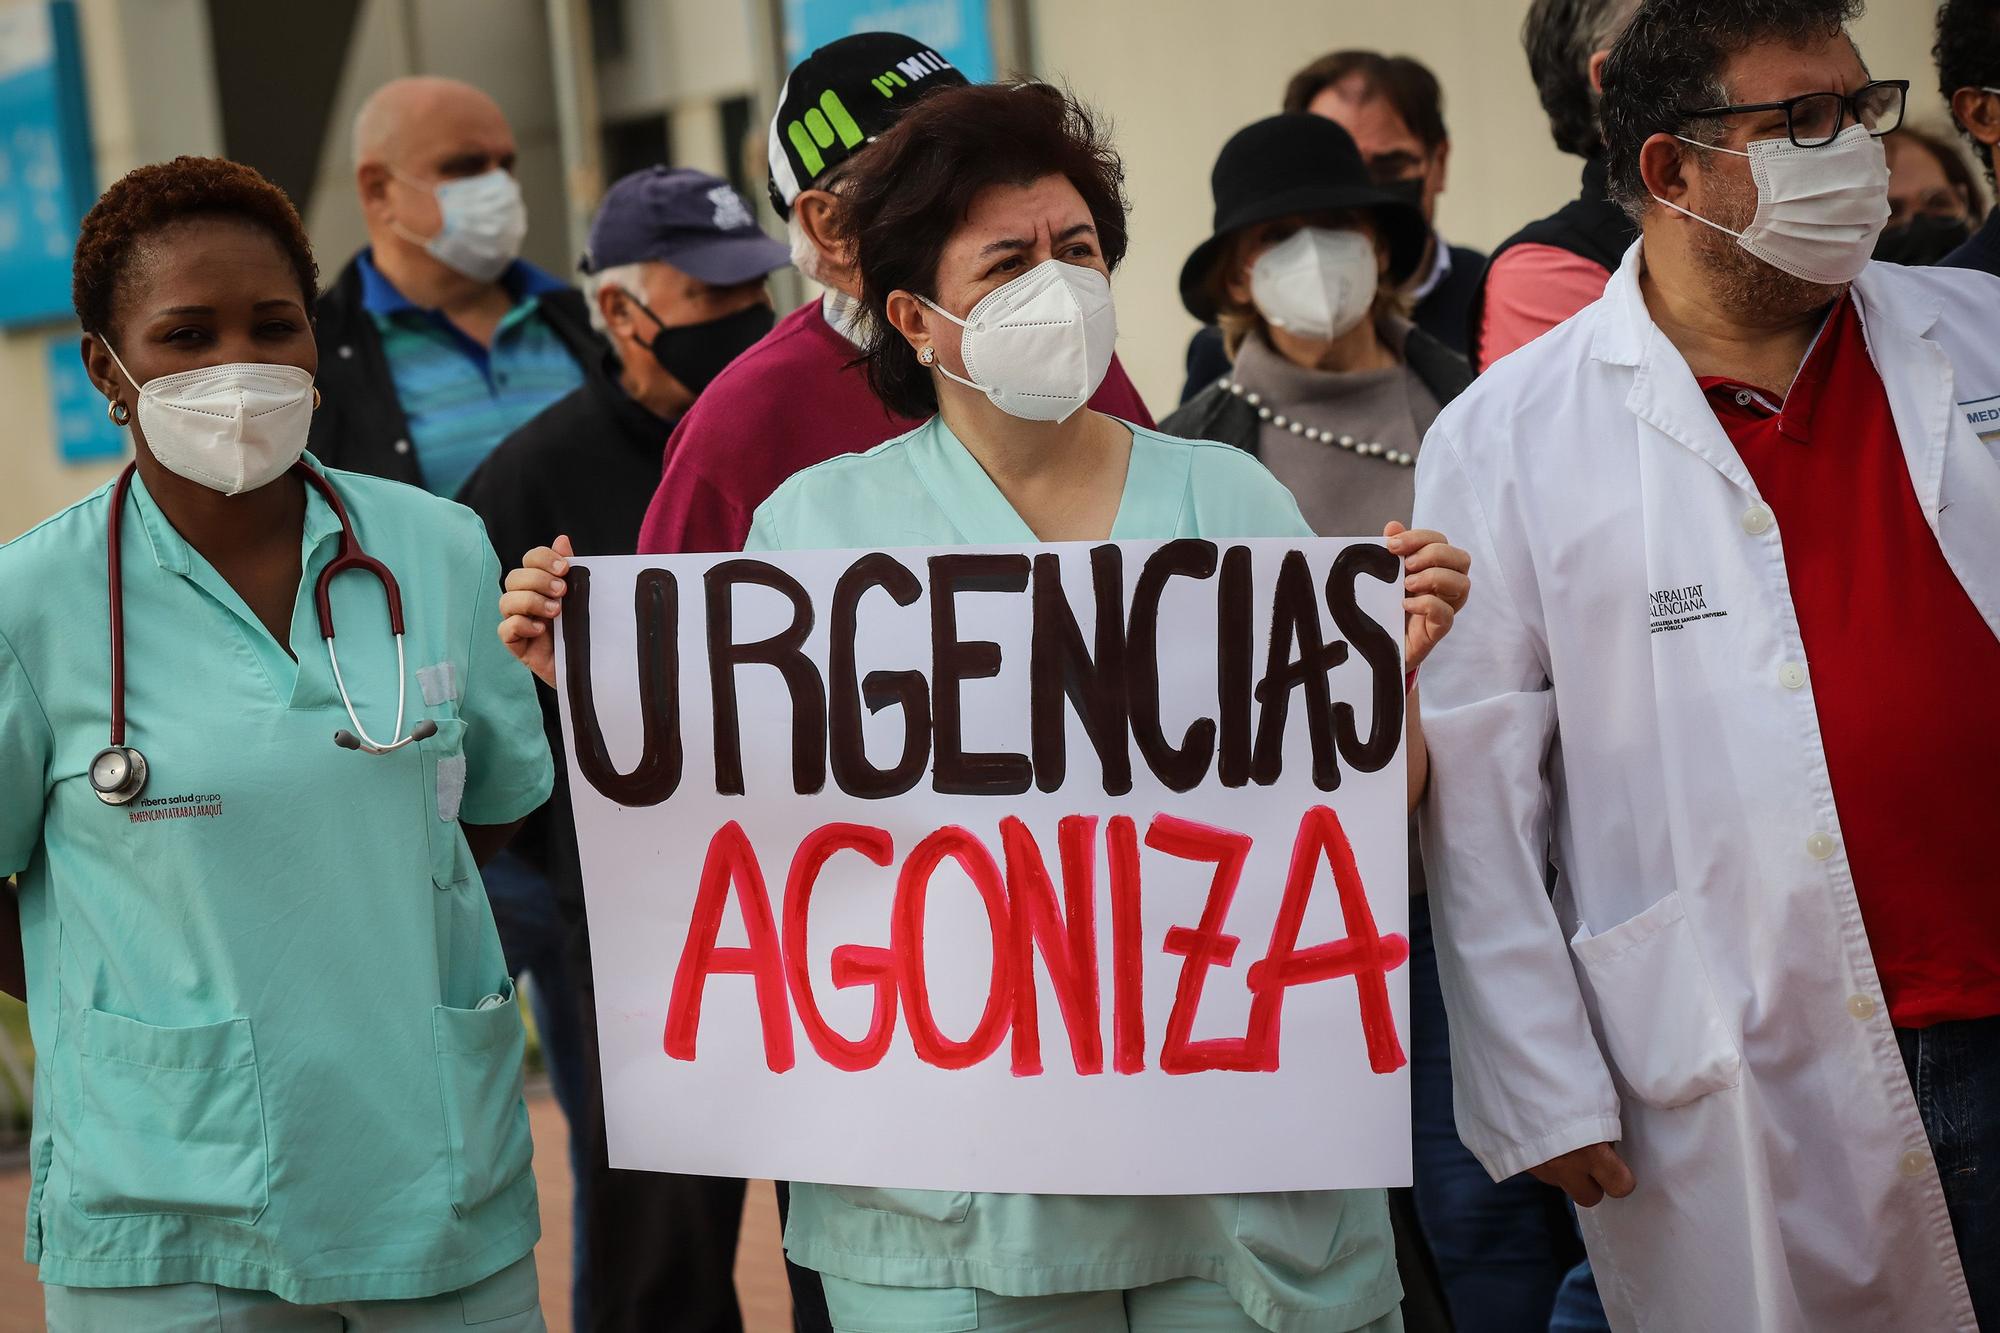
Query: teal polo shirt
pixel 462 399
pixel 277 1045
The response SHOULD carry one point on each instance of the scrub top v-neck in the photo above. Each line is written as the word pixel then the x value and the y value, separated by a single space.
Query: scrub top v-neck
pixel 1320 1261
pixel 256 992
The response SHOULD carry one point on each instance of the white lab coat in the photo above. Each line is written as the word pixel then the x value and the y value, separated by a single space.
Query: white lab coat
pixel 1699 987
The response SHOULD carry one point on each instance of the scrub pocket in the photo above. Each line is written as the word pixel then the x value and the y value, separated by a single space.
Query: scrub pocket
pixel 863 1307
pixel 172 1122
pixel 1305 1233
pixel 1657 1010
pixel 479 1078
pixel 444 792
pixel 925 1205
pixel 514 1290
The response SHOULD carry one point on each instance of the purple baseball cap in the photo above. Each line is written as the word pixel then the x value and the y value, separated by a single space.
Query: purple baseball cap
pixel 686 218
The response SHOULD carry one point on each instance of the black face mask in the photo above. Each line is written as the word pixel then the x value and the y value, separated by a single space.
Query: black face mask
pixel 1923 240
pixel 1410 190
pixel 694 354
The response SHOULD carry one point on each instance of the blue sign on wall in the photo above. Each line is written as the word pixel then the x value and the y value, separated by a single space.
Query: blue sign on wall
pixel 955 29
pixel 84 434
pixel 45 171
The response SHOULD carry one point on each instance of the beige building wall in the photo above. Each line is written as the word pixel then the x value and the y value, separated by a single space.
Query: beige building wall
pixel 1178 77
pixel 149 86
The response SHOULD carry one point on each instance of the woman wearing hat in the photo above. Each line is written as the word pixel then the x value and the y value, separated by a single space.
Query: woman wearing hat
pixel 1330 385
pixel 1333 389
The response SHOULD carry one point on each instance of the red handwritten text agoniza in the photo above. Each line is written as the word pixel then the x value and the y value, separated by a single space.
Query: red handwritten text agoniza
pixel 1113 686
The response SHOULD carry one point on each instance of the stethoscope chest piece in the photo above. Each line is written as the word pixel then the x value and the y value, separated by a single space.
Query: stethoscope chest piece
pixel 118 774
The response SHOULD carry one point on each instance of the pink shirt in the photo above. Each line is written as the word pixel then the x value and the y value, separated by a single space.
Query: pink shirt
pixel 795 399
pixel 1529 290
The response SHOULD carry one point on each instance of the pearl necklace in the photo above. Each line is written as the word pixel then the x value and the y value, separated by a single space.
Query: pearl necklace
pixel 1368 448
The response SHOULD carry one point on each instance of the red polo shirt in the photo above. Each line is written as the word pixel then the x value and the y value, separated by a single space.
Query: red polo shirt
pixel 1904 673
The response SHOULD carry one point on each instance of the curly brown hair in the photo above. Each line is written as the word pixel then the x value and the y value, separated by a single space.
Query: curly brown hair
pixel 149 198
pixel 916 183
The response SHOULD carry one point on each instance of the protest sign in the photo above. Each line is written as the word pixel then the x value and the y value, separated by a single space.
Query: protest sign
pixel 1062 869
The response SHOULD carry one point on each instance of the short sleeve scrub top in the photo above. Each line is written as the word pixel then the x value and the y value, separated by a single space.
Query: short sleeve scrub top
pixel 1321 1261
pixel 277 1045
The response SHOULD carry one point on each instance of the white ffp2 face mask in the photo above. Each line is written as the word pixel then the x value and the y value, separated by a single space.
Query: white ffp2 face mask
pixel 1819 210
pixel 1039 346
pixel 484 223
pixel 230 428
pixel 1317 283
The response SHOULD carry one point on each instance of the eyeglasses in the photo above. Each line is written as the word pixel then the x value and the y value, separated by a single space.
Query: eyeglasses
pixel 1813 121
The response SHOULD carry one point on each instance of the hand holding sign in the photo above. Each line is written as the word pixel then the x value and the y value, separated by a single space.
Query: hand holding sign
pixel 530 605
pixel 1435 586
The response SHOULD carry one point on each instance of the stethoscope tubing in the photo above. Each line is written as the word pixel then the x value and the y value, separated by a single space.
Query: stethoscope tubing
pixel 350 556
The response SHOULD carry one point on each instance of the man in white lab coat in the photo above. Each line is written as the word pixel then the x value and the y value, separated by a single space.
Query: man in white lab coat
pixel 1733 673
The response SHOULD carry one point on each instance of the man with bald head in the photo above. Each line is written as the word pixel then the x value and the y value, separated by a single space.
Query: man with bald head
pixel 439 341
pixel 436 343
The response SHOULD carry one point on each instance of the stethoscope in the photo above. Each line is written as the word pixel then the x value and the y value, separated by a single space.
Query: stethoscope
pixel 118 773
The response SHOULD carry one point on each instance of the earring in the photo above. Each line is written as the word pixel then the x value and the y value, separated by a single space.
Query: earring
pixel 120 414
pixel 927 356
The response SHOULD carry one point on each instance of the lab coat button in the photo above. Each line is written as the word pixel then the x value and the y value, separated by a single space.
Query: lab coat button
pixel 1861 1006
pixel 1791 675
pixel 1819 846
pixel 1756 519
pixel 1916 1162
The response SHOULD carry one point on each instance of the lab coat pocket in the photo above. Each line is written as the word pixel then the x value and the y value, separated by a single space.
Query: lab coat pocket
pixel 1655 1007
pixel 444 791
pixel 172 1121
pixel 479 1078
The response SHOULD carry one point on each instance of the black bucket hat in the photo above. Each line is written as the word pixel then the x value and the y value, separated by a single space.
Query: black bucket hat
pixel 1297 163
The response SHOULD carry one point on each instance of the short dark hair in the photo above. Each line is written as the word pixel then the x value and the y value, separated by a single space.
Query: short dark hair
pixel 1968 56
pixel 150 198
pixel 918 183
pixel 1405 84
pixel 1669 60
pixel 1560 37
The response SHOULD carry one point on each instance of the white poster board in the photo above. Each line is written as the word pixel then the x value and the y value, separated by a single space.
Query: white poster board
pixel 1063 869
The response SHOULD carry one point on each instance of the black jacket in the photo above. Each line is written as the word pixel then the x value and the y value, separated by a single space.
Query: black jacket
pixel 1589 225
pixel 586 465
pixel 360 424
pixel 1217 414
pixel 1982 251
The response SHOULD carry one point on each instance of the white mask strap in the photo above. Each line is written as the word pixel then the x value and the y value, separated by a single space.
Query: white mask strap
pixel 120 364
pixel 939 366
pixel 1711 147
pixel 1686 212
pixel 946 313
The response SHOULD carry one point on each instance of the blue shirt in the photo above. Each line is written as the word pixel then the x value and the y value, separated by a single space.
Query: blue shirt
pixel 256 992
pixel 462 399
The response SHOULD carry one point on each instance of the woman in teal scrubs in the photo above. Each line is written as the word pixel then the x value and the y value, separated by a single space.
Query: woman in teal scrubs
pixel 999 208
pixel 278 1082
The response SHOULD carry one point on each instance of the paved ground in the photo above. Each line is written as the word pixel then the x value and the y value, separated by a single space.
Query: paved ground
pixel 760 1269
